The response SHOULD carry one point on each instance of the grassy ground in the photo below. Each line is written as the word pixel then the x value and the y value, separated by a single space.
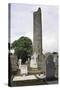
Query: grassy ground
pixel 34 82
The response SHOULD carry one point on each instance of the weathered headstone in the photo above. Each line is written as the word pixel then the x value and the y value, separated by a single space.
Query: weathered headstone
pixel 33 63
pixel 14 63
pixel 19 63
pixel 56 64
pixel 50 67
pixel 24 70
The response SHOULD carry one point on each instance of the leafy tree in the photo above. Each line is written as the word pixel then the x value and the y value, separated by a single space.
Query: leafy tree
pixel 23 48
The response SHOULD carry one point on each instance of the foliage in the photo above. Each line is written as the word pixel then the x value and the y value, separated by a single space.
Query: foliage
pixel 23 48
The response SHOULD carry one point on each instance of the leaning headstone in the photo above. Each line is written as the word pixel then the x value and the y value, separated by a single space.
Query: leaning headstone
pixel 50 67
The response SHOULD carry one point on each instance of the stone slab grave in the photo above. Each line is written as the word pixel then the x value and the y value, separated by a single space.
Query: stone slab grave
pixel 24 77
pixel 28 77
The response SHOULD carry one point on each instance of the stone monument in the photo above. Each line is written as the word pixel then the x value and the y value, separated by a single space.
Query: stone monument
pixel 37 36
pixel 24 70
pixel 33 63
pixel 50 67
pixel 37 41
pixel 19 63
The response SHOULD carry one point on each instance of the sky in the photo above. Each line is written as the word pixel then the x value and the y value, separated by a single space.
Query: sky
pixel 22 24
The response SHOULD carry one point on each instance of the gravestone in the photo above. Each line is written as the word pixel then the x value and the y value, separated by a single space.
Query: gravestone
pixel 50 67
pixel 24 70
pixel 14 63
pixel 19 63
pixel 56 64
pixel 33 62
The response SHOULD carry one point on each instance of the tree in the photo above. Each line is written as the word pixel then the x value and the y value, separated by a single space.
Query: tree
pixel 23 48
